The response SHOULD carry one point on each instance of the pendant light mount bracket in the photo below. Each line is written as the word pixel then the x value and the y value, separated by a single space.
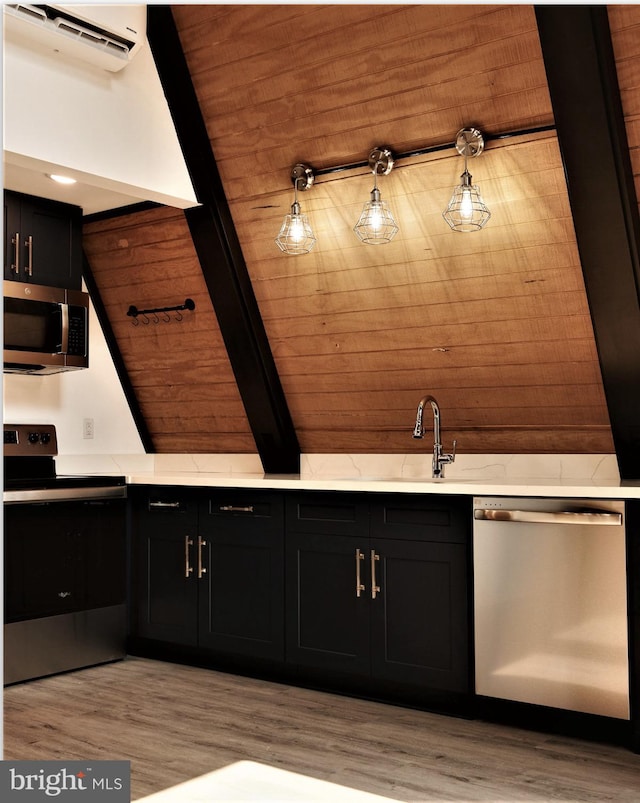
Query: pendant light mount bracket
pixel 381 161
pixel 302 177
pixel 469 142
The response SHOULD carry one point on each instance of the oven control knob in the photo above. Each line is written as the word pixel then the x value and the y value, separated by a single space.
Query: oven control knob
pixel 45 438
pixel 34 437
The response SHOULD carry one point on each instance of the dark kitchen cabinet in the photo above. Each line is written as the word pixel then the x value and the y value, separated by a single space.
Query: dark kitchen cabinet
pixel 42 241
pixel 208 570
pixel 165 592
pixel 63 557
pixel 379 589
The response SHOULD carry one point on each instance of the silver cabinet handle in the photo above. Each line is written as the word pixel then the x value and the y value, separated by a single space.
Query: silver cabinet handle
pixel 359 584
pixel 187 567
pixel 549 517
pixel 29 243
pixel 236 508
pixel 201 569
pixel 64 594
pixel 164 504
pixel 15 265
pixel 375 588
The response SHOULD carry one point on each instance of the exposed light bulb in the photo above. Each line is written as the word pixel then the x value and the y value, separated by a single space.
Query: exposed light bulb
pixel 466 205
pixel 376 216
pixel 296 229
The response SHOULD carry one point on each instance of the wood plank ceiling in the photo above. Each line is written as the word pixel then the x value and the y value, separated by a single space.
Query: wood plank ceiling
pixel 495 324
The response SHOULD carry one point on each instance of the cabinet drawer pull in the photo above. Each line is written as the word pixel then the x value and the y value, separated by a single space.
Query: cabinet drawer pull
pixel 187 567
pixel 64 594
pixel 359 584
pixel 201 569
pixel 164 504
pixel 375 588
pixel 236 508
pixel 15 265
pixel 29 243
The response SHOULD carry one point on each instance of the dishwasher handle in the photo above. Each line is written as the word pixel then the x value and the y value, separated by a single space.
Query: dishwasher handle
pixel 590 517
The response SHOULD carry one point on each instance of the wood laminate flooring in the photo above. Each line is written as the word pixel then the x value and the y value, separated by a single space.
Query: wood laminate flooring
pixel 177 722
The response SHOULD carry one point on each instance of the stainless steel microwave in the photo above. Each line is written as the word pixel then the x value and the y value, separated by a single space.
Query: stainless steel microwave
pixel 46 329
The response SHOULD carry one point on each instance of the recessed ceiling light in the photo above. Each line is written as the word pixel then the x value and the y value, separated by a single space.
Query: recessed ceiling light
pixel 61 179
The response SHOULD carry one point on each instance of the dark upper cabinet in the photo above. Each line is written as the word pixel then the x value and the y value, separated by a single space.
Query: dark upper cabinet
pixel 42 241
pixel 393 608
pixel 208 569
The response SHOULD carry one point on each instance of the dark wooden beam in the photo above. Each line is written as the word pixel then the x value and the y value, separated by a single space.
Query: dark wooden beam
pixel 580 65
pixel 221 258
pixel 116 356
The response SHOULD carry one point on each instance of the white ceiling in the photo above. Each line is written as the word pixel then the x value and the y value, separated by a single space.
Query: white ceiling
pixel 111 131
pixel 33 180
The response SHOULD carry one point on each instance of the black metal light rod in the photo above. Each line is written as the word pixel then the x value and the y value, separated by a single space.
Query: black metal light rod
pixel 325 171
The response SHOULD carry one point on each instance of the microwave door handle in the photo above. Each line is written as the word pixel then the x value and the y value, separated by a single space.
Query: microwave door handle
pixel 64 312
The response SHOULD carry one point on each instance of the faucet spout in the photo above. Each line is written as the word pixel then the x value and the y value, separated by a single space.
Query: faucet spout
pixel 439 458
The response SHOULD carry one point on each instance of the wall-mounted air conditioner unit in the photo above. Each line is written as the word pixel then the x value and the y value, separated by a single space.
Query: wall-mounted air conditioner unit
pixel 107 36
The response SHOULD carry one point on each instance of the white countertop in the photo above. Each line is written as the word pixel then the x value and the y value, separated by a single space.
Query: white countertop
pixel 251 781
pixel 571 476
pixel 575 488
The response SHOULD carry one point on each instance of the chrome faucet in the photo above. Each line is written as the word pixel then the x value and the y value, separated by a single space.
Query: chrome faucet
pixel 440 459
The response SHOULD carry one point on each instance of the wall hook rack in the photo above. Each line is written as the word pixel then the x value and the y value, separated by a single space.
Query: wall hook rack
pixel 134 312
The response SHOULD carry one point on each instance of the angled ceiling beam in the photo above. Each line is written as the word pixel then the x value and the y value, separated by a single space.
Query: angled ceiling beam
pixel 581 71
pixel 223 266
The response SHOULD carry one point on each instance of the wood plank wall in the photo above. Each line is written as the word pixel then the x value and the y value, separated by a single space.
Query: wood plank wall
pixel 179 370
pixel 495 324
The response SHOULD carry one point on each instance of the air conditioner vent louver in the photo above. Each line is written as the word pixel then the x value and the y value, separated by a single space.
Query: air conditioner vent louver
pixel 79 31
pixel 91 37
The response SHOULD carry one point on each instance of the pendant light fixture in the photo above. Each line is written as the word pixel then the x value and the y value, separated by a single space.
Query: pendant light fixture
pixel 467 211
pixel 376 224
pixel 296 235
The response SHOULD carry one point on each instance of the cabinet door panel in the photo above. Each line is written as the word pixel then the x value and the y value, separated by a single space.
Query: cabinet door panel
pixel 241 596
pixel 50 243
pixel 328 512
pixel 422 517
pixel 167 610
pixel 164 522
pixel 11 228
pixel 420 625
pixel 327 623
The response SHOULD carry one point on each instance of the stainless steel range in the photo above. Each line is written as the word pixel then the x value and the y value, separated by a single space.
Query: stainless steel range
pixel 64 561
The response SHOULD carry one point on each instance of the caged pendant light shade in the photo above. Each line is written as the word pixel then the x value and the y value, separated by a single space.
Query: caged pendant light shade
pixel 376 224
pixel 296 235
pixel 466 210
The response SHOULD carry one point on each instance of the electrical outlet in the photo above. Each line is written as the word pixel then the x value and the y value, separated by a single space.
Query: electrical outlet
pixel 87 428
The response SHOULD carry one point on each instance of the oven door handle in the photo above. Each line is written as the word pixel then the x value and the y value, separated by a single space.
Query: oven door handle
pixel 595 517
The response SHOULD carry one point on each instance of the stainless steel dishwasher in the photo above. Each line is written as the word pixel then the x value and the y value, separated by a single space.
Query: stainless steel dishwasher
pixel 550 603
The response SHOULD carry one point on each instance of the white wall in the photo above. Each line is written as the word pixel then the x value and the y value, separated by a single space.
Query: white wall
pixel 66 399
pixel 110 130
